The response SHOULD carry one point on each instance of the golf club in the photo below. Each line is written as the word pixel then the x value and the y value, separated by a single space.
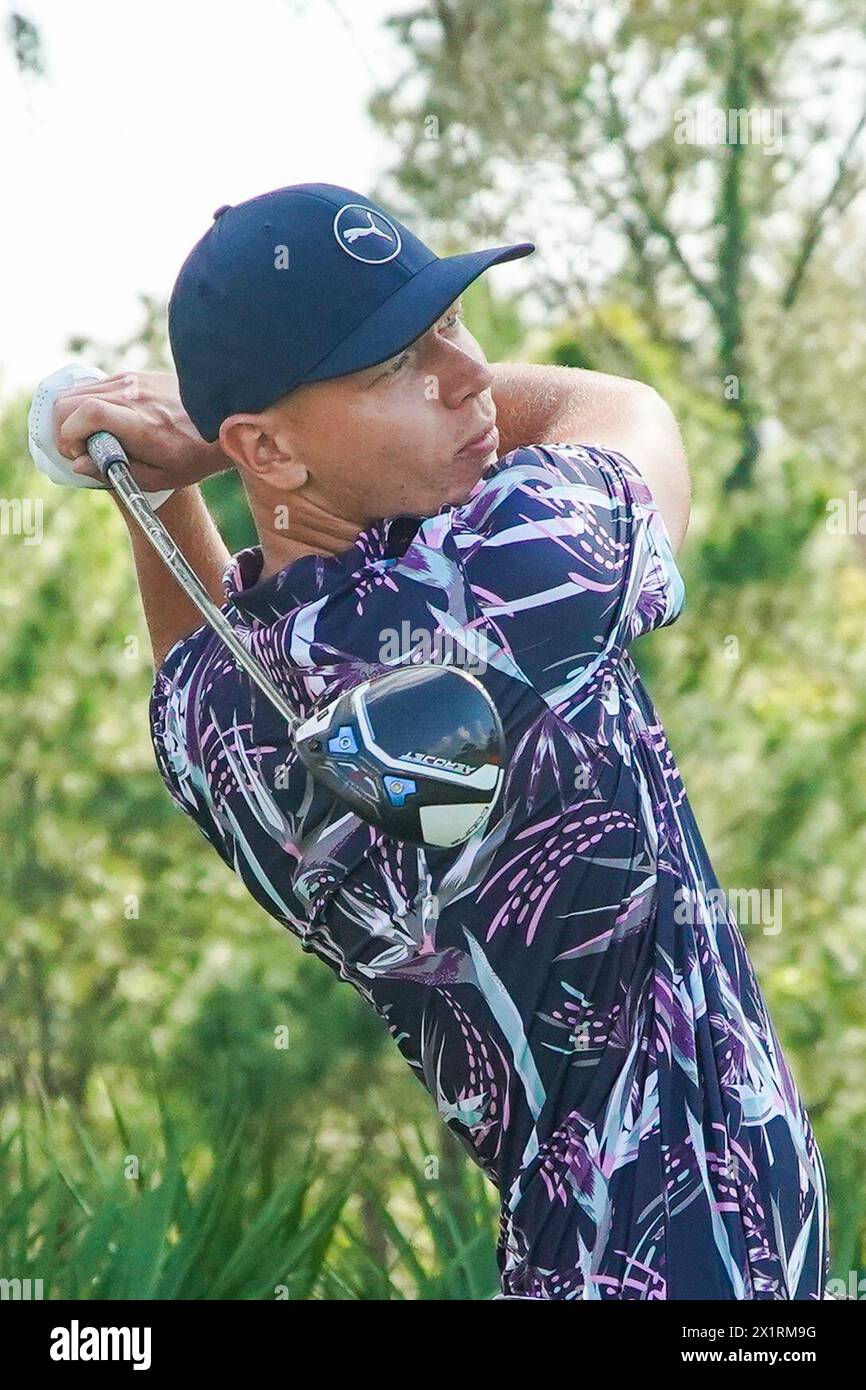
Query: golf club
pixel 418 752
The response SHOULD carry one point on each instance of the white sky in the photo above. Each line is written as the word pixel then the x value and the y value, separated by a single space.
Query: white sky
pixel 153 114
pixel 150 116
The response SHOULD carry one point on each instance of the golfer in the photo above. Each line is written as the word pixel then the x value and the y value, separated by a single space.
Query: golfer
pixel 564 983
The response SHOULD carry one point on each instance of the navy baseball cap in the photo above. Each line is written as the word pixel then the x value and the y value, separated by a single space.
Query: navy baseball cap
pixel 302 284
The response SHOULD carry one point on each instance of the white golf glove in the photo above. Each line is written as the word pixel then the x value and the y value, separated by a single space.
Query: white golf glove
pixel 40 431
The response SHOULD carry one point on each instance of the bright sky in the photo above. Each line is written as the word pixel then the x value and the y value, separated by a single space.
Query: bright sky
pixel 149 117
pixel 152 115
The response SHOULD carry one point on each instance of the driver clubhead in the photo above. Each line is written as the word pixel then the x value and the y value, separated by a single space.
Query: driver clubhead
pixel 418 752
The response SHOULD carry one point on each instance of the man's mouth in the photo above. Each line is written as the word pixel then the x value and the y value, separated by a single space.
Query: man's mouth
pixel 481 444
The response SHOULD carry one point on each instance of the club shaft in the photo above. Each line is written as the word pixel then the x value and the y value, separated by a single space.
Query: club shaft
pixel 108 456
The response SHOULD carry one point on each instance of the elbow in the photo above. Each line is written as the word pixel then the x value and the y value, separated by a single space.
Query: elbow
pixel 656 407
pixel 658 417
pixel 666 462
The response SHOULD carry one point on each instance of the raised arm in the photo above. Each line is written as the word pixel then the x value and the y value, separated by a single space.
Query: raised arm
pixel 537 404
pixel 144 410
pixel 169 614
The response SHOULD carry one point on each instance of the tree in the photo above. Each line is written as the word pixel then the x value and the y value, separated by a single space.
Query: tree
pixel 670 154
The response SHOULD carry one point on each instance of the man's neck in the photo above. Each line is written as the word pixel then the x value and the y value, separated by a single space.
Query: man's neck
pixel 312 530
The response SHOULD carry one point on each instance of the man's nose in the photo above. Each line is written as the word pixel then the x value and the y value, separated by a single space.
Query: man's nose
pixel 461 374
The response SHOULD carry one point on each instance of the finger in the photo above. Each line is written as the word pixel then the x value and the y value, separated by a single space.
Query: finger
pixel 117 390
pixel 84 464
pixel 70 401
pixel 120 382
pixel 89 415
pixel 126 389
pixel 147 478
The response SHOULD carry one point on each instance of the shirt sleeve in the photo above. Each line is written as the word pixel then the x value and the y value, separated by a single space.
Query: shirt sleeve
pixel 226 758
pixel 569 559
pixel 172 726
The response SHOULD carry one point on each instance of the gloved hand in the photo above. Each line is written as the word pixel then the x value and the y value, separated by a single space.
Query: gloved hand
pixel 42 438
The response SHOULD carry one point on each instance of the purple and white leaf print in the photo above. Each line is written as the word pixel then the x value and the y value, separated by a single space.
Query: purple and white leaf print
pixel 606 1058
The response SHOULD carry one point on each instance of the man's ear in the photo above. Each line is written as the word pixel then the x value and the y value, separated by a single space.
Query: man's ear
pixel 250 442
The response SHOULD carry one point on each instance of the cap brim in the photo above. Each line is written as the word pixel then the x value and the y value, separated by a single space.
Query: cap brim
pixel 411 310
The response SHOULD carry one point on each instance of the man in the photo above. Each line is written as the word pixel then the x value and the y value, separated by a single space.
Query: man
pixel 564 984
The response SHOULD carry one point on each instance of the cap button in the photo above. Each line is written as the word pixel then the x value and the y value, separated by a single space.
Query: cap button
pixel 220 210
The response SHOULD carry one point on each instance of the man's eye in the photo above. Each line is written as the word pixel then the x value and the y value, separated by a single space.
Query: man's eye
pixel 390 369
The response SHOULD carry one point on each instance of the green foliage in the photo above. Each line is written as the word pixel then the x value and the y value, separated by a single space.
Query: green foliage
pixel 582 126
pixel 122 1224
pixel 227 503
pixel 114 1226
pixel 756 542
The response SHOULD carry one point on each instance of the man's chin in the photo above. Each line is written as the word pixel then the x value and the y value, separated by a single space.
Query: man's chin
pixel 469 480
pixel 484 473
pixel 459 495
pixel 471 477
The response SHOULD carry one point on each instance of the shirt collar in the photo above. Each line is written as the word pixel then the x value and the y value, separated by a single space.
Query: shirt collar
pixel 307 579
pixel 311 576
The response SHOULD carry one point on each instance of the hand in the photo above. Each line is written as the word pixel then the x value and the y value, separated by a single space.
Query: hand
pixel 144 411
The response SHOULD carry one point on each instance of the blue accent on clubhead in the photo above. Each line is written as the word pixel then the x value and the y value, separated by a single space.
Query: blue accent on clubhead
pixel 343 741
pixel 398 788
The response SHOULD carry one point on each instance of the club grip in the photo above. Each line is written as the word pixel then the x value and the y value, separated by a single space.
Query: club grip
pixel 104 450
